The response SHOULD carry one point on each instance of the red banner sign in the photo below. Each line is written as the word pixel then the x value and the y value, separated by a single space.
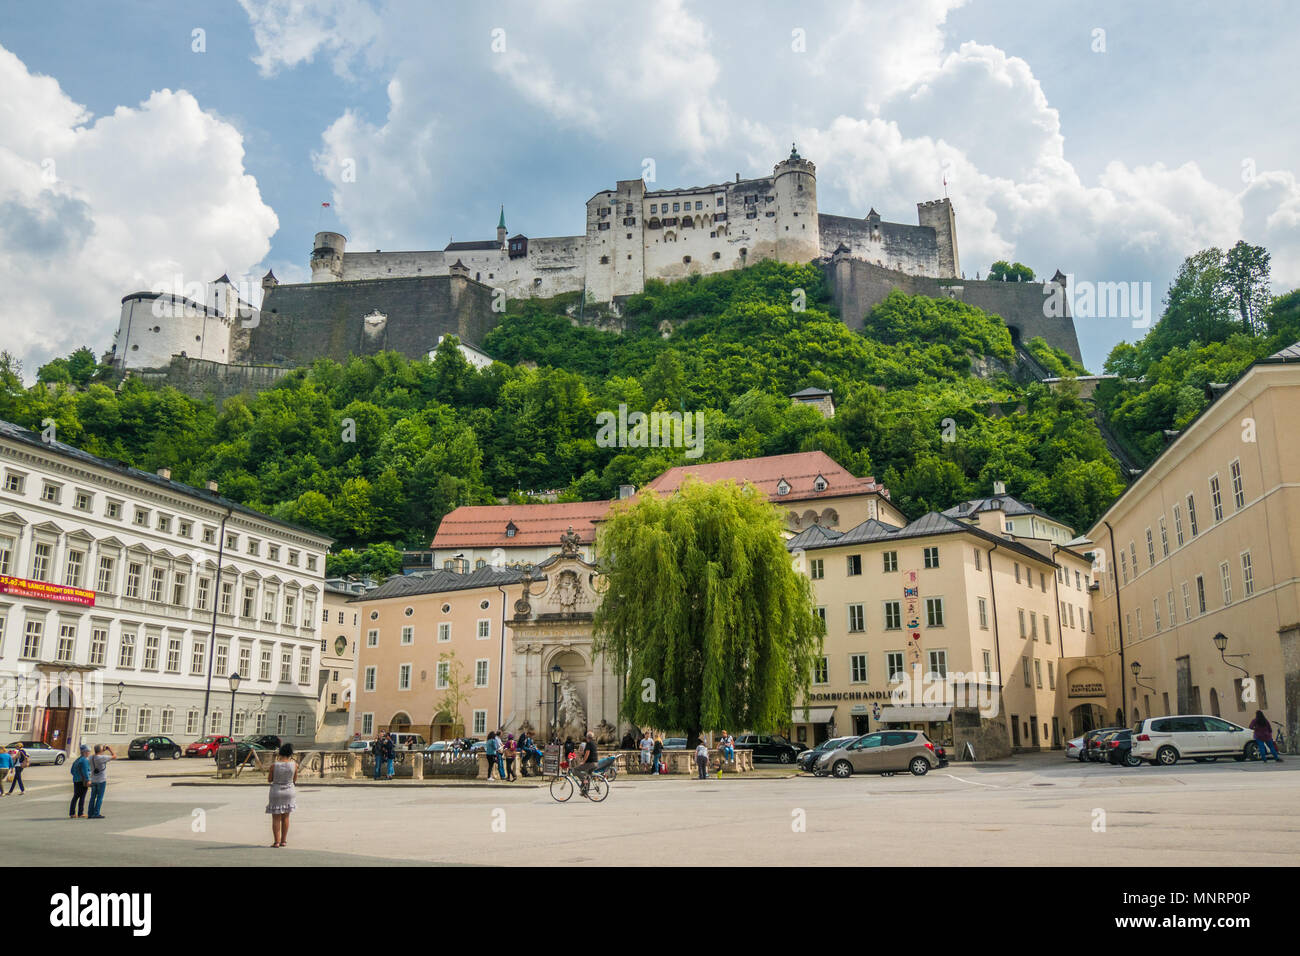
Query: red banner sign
pixel 21 587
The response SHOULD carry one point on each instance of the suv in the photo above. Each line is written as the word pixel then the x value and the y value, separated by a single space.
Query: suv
pixel 1166 740
pixel 768 747
pixel 884 751
pixel 808 759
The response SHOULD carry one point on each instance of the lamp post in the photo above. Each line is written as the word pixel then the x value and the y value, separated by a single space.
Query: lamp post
pixel 234 686
pixel 1136 668
pixel 557 675
pixel 1221 642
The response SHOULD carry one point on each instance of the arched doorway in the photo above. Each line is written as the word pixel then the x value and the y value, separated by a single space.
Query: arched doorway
pixel 400 722
pixel 57 717
pixel 444 727
pixel 1086 717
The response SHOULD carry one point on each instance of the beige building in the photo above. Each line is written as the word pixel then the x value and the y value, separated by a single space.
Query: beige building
pixel 1203 544
pixel 340 633
pixel 943 626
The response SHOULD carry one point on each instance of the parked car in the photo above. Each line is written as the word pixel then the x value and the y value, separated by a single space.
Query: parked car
pixel 38 752
pixel 677 743
pixel 809 757
pixel 768 747
pixel 360 746
pixel 407 741
pixel 255 742
pixel 207 746
pixel 152 748
pixel 1074 749
pixel 1199 737
pixel 885 751
pixel 1091 752
pixel 1119 749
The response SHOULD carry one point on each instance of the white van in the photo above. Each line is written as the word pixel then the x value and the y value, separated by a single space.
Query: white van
pixel 1199 737
pixel 406 741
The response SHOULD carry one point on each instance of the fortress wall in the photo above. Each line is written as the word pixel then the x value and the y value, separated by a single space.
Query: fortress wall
pixel 200 378
pixel 857 286
pixel 387 265
pixel 893 245
pixel 154 328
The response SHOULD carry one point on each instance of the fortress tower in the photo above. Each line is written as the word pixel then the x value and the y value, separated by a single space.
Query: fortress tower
pixel 938 214
pixel 327 257
pixel 794 183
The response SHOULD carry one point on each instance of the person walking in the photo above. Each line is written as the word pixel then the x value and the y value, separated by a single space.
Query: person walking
pixel 702 758
pixel 511 751
pixel 21 762
pixel 1264 737
pixel 525 752
pixel 99 778
pixel 6 767
pixel 282 798
pixel 377 752
pixel 390 752
pixel 647 745
pixel 80 784
pixel 490 748
pixel 657 753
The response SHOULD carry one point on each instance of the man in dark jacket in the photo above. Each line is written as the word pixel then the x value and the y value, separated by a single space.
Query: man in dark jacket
pixel 390 751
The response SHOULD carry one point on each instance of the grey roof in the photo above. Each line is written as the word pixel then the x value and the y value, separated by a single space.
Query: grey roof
pixel 813 536
pixel 481 245
pixel 24 436
pixel 436 582
pixel 810 392
pixel 926 526
pixel 1289 354
pixel 1010 505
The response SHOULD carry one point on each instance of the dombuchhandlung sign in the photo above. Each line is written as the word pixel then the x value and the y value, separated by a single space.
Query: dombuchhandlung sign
pixel 22 587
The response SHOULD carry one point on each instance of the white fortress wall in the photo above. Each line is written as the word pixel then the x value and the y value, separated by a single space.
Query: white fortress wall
pixel 393 265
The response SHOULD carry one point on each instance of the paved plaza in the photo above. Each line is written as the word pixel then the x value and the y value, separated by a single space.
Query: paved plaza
pixel 1031 810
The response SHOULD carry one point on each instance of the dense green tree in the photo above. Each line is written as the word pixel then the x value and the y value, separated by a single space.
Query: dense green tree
pixel 1004 271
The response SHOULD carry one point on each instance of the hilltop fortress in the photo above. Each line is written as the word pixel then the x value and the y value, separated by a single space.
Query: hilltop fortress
pixel 359 303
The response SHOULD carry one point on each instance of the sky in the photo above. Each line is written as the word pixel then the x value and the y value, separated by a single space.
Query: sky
pixel 168 142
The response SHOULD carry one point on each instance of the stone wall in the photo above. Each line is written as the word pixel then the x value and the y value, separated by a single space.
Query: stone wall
pixel 200 378
pixel 858 286
pixel 988 736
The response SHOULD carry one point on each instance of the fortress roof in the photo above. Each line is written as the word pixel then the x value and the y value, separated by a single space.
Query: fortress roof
pixel 484 245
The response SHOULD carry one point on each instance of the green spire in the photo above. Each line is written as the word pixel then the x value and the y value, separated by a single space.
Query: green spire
pixel 501 223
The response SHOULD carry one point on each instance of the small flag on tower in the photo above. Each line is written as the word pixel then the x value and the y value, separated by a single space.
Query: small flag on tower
pixel 325 205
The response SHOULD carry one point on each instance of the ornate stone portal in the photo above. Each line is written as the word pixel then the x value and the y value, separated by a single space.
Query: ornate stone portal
pixel 552 627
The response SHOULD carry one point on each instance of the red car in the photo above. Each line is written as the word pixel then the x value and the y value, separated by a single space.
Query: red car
pixel 207 746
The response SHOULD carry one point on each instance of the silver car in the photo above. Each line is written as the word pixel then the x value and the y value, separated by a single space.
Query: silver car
pixel 885 751
pixel 39 752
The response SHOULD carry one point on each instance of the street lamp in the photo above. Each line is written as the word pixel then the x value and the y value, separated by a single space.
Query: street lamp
pixel 557 675
pixel 1136 668
pixel 234 686
pixel 1221 642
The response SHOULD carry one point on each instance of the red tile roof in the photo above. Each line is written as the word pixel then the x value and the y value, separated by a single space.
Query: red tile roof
pixel 484 526
pixel 799 470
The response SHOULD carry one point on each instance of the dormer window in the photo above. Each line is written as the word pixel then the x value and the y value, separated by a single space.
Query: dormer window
pixel 783 487
pixel 511 530
pixel 820 483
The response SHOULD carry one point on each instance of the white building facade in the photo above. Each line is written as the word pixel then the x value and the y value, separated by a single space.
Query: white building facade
pixel 127 600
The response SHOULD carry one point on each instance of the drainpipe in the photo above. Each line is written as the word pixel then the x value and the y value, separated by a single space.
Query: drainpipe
pixel 216 603
pixel 1119 624
pixel 501 661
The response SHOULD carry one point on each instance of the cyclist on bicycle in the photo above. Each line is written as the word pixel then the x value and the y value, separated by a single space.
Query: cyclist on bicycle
pixel 589 758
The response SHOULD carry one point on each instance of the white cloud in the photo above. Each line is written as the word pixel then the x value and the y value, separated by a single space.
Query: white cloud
pixel 95 210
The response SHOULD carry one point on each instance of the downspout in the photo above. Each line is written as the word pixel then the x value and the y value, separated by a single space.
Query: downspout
pixel 1119 624
pixel 216 603
pixel 501 665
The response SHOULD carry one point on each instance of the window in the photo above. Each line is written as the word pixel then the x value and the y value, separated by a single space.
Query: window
pixel 816 569
pixel 126 651
pixel 14 483
pixel 484 629
pixel 1216 499
pixel 286 666
pixel 192 723
pixel 984 612
pixel 180 582
pixel 1038 673
pixel 165 523
pixel 222 659
pixel 143 719
pixel 304 665
pixel 1238 490
pixel 1155 614
pixel 141 517
pixel 290 609
pixel 1200 593
pixel 302 725
pixel 1173 618
pixel 1191 515
pixel 1123 567
pixel 1139 621
pixel 855 618
pixel 855 564
pixel 245 660
pixel 259 723
pixel 369 679
pixel 72 574
pixel 988 664
pixel 1047 628
pixel 264 663
pixel 444 631
pixel 931 557
pixel 281 724
pixel 1164 537
pixel 440 680
pixel 151 643
pixel 481 672
pixel 119 719
pixel 203 593
pixel 6 554
pixel 1020 611
pixel 209 535
pixel 98 644
pixel 938 665
pixel 1017 565
pixel 934 611
pixel 227 597
pixel 253 546
pixel 1151 548
pixel 891 561
pixel 372 638
pixel 894 666
pixel 480 721
pixel 1247 574
pixel 858 668
pixel 41 562
pixel 269 602
pixel 83 501
pixel 198 655
pixel 404 677
pixel 51 493
pixel 1178 525
pixel 1051 678
pixel 821 614
pixel 241 723
pixel 821 671
pixel 1033 626
pixel 174 656
pixel 156 579
pixel 1029 682
pixel 1071 610
pixel 978 560
pixel 893 615
pixel 408 634
pixel 67 643
pixel 1225 575
pixel 185 529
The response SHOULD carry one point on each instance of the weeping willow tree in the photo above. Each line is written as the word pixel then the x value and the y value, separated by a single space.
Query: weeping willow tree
pixel 703 608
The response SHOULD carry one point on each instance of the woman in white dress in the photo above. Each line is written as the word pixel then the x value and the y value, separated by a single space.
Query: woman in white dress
pixel 281 802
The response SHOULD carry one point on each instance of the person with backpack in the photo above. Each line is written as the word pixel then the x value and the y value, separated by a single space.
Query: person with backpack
pixel 490 748
pixel 80 784
pixel 390 751
pixel 21 762
pixel 6 767
pixel 511 751
pixel 657 754
pixel 377 752
pixel 702 758
pixel 1264 737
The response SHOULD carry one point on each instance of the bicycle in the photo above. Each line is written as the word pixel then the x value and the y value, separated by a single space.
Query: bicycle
pixel 563 785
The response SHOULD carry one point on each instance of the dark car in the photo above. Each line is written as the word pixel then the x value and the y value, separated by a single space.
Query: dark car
pixel 768 747
pixel 1119 749
pixel 1091 748
pixel 246 745
pixel 153 748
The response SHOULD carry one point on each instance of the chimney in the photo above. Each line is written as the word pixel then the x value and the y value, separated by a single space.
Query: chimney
pixel 626 491
pixel 737 177
pixel 999 487
pixel 165 473
pixel 212 486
